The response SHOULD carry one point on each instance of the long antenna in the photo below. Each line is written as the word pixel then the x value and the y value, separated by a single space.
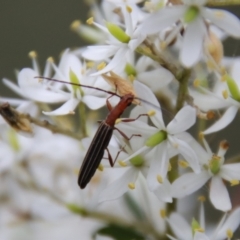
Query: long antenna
pixel 99 89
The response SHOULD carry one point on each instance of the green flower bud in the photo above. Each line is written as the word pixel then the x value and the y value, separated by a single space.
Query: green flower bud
pixel 13 140
pixel 130 70
pixel 214 164
pixel 74 79
pixel 191 14
pixel 137 161
pixel 233 87
pixel 156 139
pixel 117 32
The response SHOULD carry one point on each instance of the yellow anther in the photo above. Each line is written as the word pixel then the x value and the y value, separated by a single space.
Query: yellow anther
pixel 199 230
pixel 183 163
pixel 210 65
pixel 159 179
pixel 50 59
pixel 71 112
pixel 201 199
pixel 225 94
pixel 129 9
pixel 151 113
pixel 210 115
pixel 196 83
pixel 201 135
pixel 175 145
pixel 229 233
pixel 90 21
pixel 101 66
pixel 219 14
pixel 75 25
pixel 234 182
pixel 163 213
pixel 118 121
pixel 121 163
pixel 131 78
pixel 169 167
pixel 90 64
pixel 131 186
pixel 100 167
pixel 224 144
pixel 32 54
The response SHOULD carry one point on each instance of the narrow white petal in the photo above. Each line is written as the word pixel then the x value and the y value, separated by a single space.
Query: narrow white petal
pixel 66 108
pixel 180 226
pixel 184 119
pixel 192 43
pixel 200 236
pixel 118 59
pixel 189 155
pixel 164 192
pixel 98 53
pixel 94 102
pixel 224 121
pixel 152 80
pixel 162 19
pixel 219 195
pixel 232 223
pixel 189 183
pixel 230 171
pixel 158 165
pixel 117 188
pixel 224 20
pixel 150 102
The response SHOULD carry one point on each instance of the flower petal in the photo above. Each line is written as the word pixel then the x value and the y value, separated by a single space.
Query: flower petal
pixel 67 108
pixel 94 102
pixel 224 121
pixel 184 119
pixel 230 171
pixel 192 43
pixel 163 192
pixel 224 20
pixel 189 183
pixel 219 195
pixel 117 188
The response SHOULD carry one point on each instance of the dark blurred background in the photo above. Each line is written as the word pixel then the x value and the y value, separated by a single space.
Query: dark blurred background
pixel 43 26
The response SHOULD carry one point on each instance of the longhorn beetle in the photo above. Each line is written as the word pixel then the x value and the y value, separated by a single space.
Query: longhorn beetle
pixel 103 135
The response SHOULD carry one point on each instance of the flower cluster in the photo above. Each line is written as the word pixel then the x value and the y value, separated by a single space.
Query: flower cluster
pixel 167 55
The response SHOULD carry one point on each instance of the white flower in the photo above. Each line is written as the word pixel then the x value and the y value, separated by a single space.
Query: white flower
pixel 120 43
pixel 31 88
pixel 193 16
pixel 196 230
pixel 163 142
pixel 213 168
pixel 72 70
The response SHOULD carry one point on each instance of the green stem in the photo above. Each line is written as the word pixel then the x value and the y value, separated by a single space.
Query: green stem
pixel 83 122
pixel 183 89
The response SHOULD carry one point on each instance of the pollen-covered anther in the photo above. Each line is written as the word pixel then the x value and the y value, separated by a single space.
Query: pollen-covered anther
pixel 50 59
pixel 201 198
pixel 75 171
pixel 196 83
pixel 100 167
pixel 183 163
pixel 118 121
pixel 234 182
pixel 147 50
pixel 163 213
pixel 210 115
pixel 101 66
pixel 199 230
pixel 32 54
pixel 71 112
pixel 131 186
pixel 225 94
pixel 229 233
pixel 90 21
pixel 90 64
pixel 224 144
pixel 151 113
pixel 122 163
pixel 159 179
pixel 75 25
pixel 129 9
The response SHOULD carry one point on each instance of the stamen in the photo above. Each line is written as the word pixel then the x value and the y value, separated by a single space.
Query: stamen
pixel 32 54
pixel 118 121
pixel 129 9
pixel 229 233
pixel 159 179
pixel 50 59
pixel 151 113
pixel 71 112
pixel 183 163
pixel 90 21
pixel 100 167
pixel 101 66
pixel 201 198
pixel 163 213
pixel 234 182
pixel 122 164
pixel 196 83
pixel 225 94
pixel 131 186
pixel 75 25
